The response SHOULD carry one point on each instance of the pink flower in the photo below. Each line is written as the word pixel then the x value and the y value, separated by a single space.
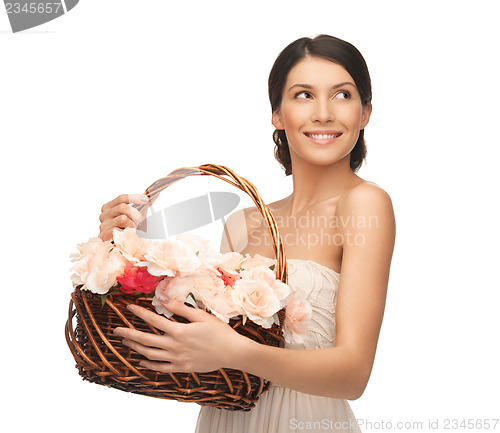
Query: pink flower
pixel 298 316
pixel 130 244
pixel 174 288
pixel 87 247
pixel 263 273
pixel 257 299
pixel 216 296
pixel 227 262
pixel 97 266
pixel 138 279
pixel 171 258
pixel 209 257
pixel 256 260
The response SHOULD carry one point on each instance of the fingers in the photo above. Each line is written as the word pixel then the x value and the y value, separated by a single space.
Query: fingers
pixel 158 321
pixel 119 214
pixel 126 199
pixel 149 352
pixel 179 308
pixel 144 338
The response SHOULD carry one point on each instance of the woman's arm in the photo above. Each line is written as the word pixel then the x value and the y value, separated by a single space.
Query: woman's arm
pixel 367 223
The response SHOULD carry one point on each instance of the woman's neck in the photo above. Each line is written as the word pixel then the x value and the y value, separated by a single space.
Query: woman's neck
pixel 313 184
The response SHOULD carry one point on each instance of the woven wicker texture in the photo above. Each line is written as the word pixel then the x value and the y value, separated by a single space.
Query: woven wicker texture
pixel 101 358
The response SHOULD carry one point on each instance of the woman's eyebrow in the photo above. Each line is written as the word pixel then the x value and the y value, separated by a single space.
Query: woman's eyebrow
pixel 308 86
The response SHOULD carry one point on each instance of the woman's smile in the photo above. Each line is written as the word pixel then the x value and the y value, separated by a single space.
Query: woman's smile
pixel 323 137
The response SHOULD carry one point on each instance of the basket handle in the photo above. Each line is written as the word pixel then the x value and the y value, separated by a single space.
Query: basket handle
pixel 219 171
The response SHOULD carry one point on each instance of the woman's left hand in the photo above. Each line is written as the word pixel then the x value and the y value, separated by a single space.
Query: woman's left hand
pixel 206 344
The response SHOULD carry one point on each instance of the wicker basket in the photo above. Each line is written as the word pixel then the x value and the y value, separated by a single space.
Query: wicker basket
pixel 101 358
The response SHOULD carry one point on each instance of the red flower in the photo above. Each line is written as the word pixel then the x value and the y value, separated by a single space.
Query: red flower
pixel 137 278
pixel 229 279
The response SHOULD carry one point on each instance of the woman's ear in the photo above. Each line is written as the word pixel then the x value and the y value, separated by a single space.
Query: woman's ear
pixel 277 120
pixel 365 114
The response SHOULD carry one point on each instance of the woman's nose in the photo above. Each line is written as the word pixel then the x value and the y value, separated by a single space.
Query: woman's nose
pixel 323 112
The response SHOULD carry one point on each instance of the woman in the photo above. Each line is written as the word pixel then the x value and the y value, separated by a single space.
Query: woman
pixel 339 233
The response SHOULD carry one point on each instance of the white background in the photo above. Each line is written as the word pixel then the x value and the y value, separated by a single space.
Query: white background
pixel 116 94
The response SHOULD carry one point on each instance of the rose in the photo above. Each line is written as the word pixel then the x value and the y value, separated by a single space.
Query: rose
pixel 130 244
pixel 216 296
pixel 87 247
pixel 210 258
pixel 208 290
pixel 298 316
pixel 258 294
pixel 97 266
pixel 137 279
pixel 263 273
pixel 230 262
pixel 257 260
pixel 178 288
pixel 171 257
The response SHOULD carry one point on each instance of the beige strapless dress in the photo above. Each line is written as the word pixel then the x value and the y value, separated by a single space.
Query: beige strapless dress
pixel 279 409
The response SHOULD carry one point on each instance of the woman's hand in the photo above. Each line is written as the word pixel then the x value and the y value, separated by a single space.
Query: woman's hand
pixel 117 214
pixel 206 344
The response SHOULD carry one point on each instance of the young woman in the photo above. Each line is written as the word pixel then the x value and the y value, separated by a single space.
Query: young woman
pixel 339 233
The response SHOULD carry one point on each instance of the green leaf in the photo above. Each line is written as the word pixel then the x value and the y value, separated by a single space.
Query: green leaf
pixel 272 267
pixel 103 300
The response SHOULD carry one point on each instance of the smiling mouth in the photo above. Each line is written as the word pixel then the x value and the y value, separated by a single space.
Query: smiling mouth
pixel 328 136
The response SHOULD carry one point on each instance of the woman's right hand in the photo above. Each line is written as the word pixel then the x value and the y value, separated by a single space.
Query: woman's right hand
pixel 117 214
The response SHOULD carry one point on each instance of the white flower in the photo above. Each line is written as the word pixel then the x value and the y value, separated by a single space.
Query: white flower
pixel 217 297
pixel 171 257
pixel 130 244
pixel 263 273
pixel 257 260
pixel 258 294
pixel 97 266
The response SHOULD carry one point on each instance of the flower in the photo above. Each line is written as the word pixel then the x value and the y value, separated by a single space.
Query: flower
pixel 97 265
pixel 263 273
pixel 216 296
pixel 230 262
pixel 91 245
pixel 257 260
pixel 137 278
pixel 256 295
pixel 298 316
pixel 130 244
pixel 227 285
pixel 171 258
pixel 178 288
pixel 229 278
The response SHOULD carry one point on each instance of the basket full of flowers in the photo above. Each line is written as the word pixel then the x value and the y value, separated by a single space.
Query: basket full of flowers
pixel 130 269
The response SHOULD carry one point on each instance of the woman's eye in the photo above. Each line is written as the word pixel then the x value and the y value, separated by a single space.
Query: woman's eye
pixel 343 95
pixel 302 95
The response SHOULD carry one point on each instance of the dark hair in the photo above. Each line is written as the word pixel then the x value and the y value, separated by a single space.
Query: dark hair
pixel 329 48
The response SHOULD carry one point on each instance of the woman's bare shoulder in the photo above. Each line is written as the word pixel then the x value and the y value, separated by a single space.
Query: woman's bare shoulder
pixel 365 197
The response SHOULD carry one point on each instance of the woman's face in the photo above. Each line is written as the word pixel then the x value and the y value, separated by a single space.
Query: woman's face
pixel 321 112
